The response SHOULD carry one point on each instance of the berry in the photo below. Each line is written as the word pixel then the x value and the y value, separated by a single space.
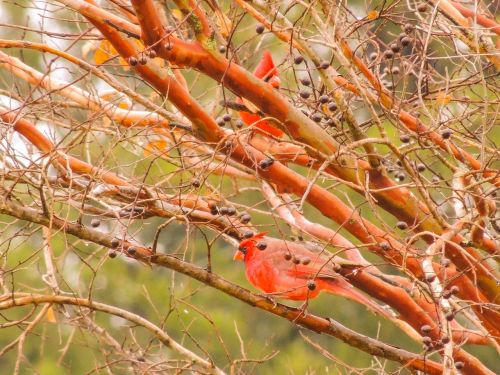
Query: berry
pixel 323 99
pixel 306 261
pixel 459 365
pixel 266 163
pixel 305 81
pixel 408 28
pixel 454 289
pixel 420 167
pixel 395 48
pixel 385 246
pixel 226 117
pixel 231 211
pixel 222 49
pixel 143 60
pixel 260 29
pixel 430 278
pixel 152 54
pixel 224 210
pixel 405 41
pixel 405 138
pixel 261 245
pixel 298 60
pixel 195 182
pixel 445 339
pixel 296 260
pixel 446 133
pixel 304 94
pixel 395 70
pixel 324 64
pixel 388 54
pixel 445 262
pixel 239 124
pixel 425 328
pixel 373 56
pixel 287 256
pixel 311 285
pixel 401 176
pixel 248 234
pixel 132 61
pixel 316 117
pixel 221 122
pixel 114 243
pixel 427 340
pixel 422 7
pixel 131 250
pixel 112 254
pixel 401 225
pixel 332 106
pixel 95 223
pixel 245 219
pixel 449 316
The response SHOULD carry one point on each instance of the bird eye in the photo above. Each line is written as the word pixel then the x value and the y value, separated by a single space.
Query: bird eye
pixel 243 249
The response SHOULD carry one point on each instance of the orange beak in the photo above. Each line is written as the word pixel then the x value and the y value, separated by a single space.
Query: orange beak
pixel 238 255
pixel 275 82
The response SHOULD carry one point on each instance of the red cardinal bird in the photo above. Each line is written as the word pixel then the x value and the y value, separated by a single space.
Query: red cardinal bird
pixel 291 271
pixel 265 70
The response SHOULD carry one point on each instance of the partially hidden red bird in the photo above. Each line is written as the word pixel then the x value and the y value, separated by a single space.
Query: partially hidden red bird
pixel 291 271
pixel 265 70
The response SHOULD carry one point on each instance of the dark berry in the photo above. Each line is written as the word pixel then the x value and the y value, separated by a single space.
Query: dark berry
pixel 245 219
pixel 248 234
pixel 427 340
pixel 261 245
pixel 430 278
pixel 446 133
pixel 239 124
pixel 226 117
pixel 373 56
pixel 224 210
pixel 324 64
pixel 385 246
pixel 152 54
pixel 425 328
pixel 306 261
pixel 266 163
pixel 222 49
pixel 195 182
pixel 114 243
pixel 143 60
pixel 395 70
pixel 459 365
pixel 221 122
pixel 422 7
pixel 95 223
pixel 388 54
pixel 323 99
pixel 454 289
pixel 296 260
pixel 445 262
pixel 316 117
pixel 401 225
pixel 332 106
pixel 305 81
pixel 287 256
pixel 131 250
pixel 112 254
pixel 311 285
pixel 449 316
pixel 304 94
pixel 408 28
pixel 405 41
pixel 420 167
pixel 400 176
pixel 445 339
pixel 405 138
pixel 298 60
pixel 395 48
pixel 132 61
pixel 231 211
pixel 260 29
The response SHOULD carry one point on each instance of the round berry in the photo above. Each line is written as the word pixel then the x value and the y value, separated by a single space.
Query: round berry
pixel 298 60
pixel 332 106
pixel 454 290
pixel 459 365
pixel 224 210
pixel 245 219
pixel 95 223
pixel 195 182
pixel 287 256
pixel 226 117
pixel 385 246
pixel 152 54
pixel 449 316
pixel 220 121
pixel 445 339
pixel 373 56
pixel 406 41
pixel 324 64
pixel 132 61
pixel 112 254
pixel 131 250
pixel 311 285
pixel 295 260
pixel 260 29
pixel 395 70
pixel 405 138
pixel 408 28
pixel 323 99
pixel 401 225
pixel 239 124
pixel 305 81
pixel 306 261
pixel 304 94
pixel 222 49
pixel 115 242
pixel 445 262
pixel 430 278
pixel 425 328
pixel 422 7
pixel 401 176
pixel 395 48
pixel 388 54
pixel 316 117
pixel 446 133
pixel 261 245
pixel 420 167
pixel 248 234
pixel 143 60
pixel 231 211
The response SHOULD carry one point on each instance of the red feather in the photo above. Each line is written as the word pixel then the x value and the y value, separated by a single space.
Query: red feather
pixel 267 71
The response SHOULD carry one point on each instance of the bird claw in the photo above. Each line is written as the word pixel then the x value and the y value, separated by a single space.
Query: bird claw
pixel 269 298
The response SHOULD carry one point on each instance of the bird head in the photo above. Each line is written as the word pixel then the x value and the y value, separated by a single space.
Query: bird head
pixel 247 246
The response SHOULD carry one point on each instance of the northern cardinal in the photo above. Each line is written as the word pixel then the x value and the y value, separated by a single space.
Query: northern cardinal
pixel 265 70
pixel 291 271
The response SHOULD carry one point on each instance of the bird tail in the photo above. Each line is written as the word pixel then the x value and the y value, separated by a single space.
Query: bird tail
pixel 342 288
